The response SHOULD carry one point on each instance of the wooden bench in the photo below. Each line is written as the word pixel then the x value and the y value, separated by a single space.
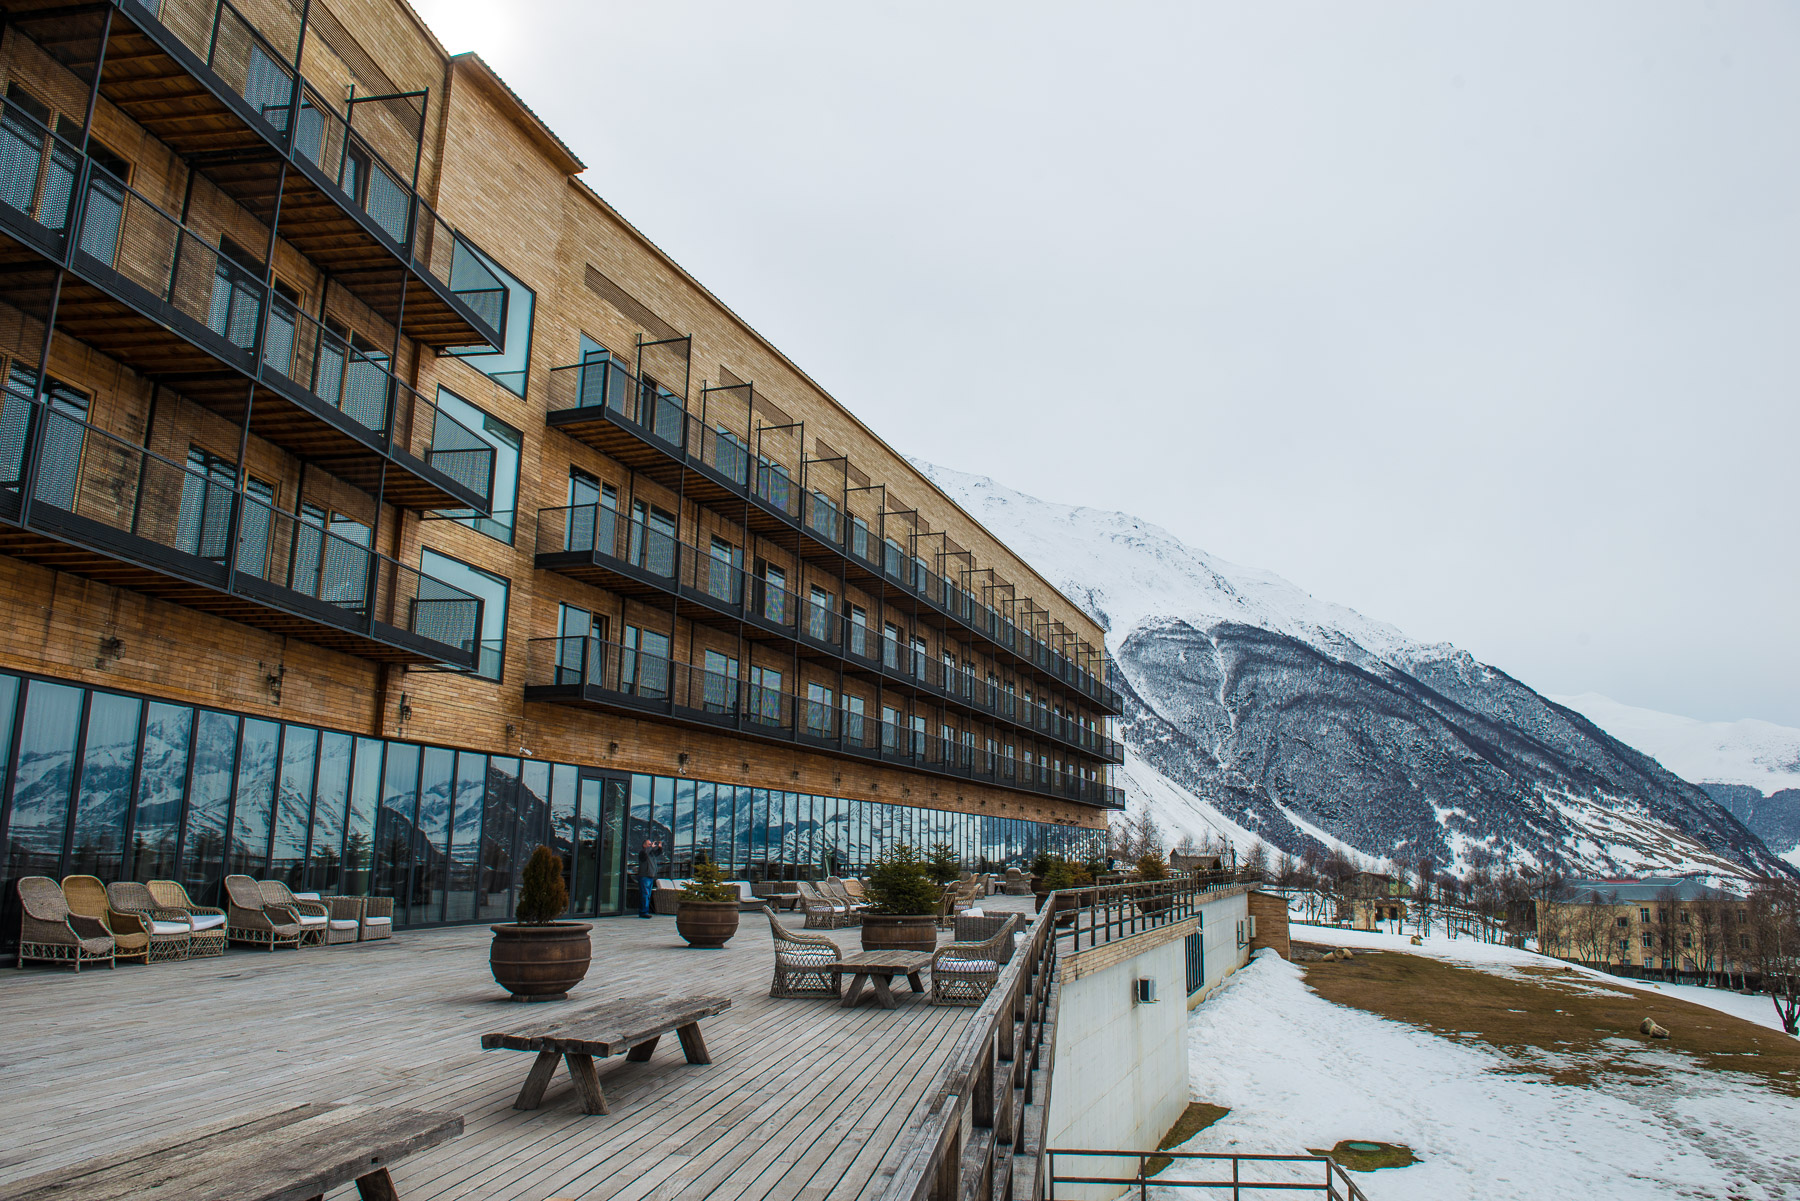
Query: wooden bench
pixel 296 1154
pixel 605 1029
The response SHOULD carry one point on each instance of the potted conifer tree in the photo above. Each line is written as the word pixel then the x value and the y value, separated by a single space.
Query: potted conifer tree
pixel 537 958
pixel 903 904
pixel 707 913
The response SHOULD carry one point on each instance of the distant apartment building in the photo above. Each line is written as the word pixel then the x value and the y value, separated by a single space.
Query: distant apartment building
pixel 1661 924
pixel 376 503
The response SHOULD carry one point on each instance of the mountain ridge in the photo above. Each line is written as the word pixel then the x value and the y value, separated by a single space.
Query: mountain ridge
pixel 1256 710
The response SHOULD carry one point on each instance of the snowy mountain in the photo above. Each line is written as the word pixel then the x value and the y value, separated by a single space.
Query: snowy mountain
pixel 1750 767
pixel 1254 709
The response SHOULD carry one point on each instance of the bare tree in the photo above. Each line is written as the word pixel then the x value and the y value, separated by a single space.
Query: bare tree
pixel 1668 939
pixel 1256 863
pixel 1710 913
pixel 1775 921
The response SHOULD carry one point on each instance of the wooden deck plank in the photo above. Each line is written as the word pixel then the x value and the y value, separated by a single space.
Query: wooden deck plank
pixel 803 1099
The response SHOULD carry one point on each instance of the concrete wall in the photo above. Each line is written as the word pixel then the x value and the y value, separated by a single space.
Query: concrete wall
pixel 1121 1068
pixel 1224 929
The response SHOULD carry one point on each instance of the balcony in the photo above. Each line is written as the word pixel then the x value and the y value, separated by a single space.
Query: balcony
pixel 112 511
pixel 649 430
pixel 221 89
pixel 164 299
pixel 607 549
pixel 589 673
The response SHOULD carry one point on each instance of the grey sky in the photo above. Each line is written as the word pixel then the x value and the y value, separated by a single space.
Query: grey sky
pixel 1481 318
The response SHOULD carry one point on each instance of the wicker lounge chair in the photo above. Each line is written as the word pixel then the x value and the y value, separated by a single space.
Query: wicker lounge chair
pixel 956 898
pixel 248 918
pixel 171 930
pixel 823 913
pixel 833 890
pixel 963 973
pixel 314 914
pixel 855 888
pixel 206 922
pixel 49 931
pixel 377 919
pixel 130 933
pixel 805 964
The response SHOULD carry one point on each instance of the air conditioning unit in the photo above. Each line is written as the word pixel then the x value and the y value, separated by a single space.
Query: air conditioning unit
pixel 1252 925
pixel 1146 990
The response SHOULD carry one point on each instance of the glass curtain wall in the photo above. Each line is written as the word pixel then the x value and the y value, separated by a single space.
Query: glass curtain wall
pixel 124 787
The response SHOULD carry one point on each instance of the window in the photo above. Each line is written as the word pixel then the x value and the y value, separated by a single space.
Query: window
pixel 492 590
pixel 853 719
pixel 331 558
pixel 857 622
pixel 722 571
pixel 1684 915
pixel 644 663
pixel 499 298
pixel 104 213
pixel 1643 915
pixel 592 522
pixel 890 646
pixel 765 695
pixel 890 728
pixel 818 615
pixel 1648 941
pixel 1623 922
pixel 818 710
pixel 775 594
pixel 652 539
pixel 574 629
pixel 721 685
pixel 459 445
pixel 236 294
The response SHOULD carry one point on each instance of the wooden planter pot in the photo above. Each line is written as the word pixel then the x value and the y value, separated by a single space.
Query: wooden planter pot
pixel 540 963
pixel 706 923
pixel 886 932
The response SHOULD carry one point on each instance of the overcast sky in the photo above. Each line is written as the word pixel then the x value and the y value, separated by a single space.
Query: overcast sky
pixel 1483 319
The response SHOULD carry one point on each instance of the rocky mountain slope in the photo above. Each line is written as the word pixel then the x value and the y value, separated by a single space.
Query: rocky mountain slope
pixel 1256 710
pixel 1750 767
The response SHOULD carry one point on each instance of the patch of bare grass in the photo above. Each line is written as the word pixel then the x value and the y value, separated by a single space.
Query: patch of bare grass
pixel 1554 1024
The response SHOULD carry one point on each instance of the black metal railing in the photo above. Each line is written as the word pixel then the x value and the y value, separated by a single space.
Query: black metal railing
pixel 1099 914
pixel 657 416
pixel 635 547
pixel 191 522
pixel 635 677
pixel 1243 1175
pixel 147 258
pixel 255 59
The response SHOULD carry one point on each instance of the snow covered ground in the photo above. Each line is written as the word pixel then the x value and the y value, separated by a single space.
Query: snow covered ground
pixel 1298 1071
pixel 1758 1009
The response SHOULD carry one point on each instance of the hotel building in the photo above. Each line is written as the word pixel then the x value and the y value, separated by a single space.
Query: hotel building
pixel 377 503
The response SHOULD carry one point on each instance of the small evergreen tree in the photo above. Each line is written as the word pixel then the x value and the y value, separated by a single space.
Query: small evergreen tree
pixel 542 894
pixel 899 885
pixel 1061 874
pixel 1152 866
pixel 708 883
pixel 1041 863
pixel 943 864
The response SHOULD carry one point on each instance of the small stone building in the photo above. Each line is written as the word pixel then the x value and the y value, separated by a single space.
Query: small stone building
pixel 1269 912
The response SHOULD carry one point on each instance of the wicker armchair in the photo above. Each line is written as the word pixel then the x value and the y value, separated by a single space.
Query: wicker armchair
pixel 248 918
pixel 314 914
pixel 823 913
pixel 171 932
pixel 130 933
pixel 963 973
pixel 855 888
pixel 50 931
pixel 345 924
pixel 206 922
pixel 976 926
pixel 805 964
pixel 377 919
pixel 956 897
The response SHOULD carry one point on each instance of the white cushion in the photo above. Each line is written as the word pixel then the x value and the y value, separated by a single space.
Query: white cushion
pixel 168 927
pixel 207 921
pixel 743 887
pixel 965 965
pixel 805 958
pixel 975 912
pixel 667 884
pixel 378 921
pixel 312 919
pixel 343 923
pixel 306 896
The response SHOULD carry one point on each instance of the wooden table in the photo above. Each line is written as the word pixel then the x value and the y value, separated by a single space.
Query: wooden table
pixel 878 969
pixel 603 1029
pixel 295 1154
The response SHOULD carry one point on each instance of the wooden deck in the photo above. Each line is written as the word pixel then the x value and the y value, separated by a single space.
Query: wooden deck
pixel 803 1099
